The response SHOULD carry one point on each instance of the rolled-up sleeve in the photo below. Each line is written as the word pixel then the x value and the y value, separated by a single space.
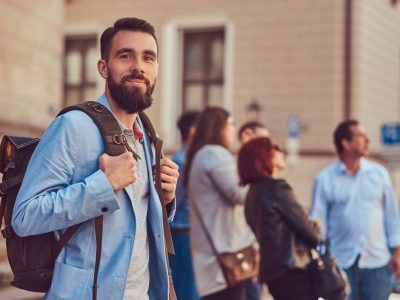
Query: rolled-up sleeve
pixel 319 205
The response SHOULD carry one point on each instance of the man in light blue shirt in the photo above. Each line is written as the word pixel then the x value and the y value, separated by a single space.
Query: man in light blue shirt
pixel 355 202
pixel 181 262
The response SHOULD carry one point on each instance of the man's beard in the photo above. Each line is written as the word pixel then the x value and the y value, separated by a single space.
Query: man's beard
pixel 128 98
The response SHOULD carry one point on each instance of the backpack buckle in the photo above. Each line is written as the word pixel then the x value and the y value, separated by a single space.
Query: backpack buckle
pixel 7 232
pixel 119 139
pixel 10 164
pixel 3 189
pixel 96 107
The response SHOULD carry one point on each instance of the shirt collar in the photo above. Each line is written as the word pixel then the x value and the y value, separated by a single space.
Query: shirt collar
pixel 364 166
pixel 137 131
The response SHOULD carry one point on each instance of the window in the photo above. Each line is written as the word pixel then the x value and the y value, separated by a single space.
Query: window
pixel 203 65
pixel 80 72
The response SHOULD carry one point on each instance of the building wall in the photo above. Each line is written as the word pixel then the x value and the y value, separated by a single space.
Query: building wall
pixel 301 176
pixel 31 47
pixel 377 66
pixel 287 54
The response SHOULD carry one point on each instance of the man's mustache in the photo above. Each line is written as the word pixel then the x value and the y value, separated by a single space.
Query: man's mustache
pixel 136 76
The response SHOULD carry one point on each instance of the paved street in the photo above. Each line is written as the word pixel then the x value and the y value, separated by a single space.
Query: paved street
pixel 11 293
pixel 8 292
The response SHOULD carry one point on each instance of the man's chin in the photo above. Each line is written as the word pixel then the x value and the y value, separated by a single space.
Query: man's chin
pixel 141 107
pixel 136 89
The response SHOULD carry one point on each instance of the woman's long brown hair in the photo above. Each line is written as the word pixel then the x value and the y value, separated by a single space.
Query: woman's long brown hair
pixel 209 127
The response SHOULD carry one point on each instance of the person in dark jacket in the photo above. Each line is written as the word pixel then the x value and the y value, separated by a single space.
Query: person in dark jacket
pixel 282 228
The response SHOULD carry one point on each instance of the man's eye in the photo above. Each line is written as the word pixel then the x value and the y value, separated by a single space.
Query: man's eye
pixel 124 56
pixel 149 58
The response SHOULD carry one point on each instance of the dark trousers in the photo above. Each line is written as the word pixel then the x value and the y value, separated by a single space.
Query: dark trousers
pixel 253 289
pixel 233 293
pixel 296 285
pixel 369 284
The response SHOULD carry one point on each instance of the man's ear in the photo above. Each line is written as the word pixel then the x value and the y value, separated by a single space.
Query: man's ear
pixel 102 68
pixel 249 132
pixel 345 144
pixel 192 131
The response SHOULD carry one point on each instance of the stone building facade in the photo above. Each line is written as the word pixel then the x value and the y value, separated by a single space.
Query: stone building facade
pixel 31 63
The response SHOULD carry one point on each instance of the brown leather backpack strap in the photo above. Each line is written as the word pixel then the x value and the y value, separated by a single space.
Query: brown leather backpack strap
pixel 149 127
pixel 98 223
pixel 106 123
pixel 66 237
pixel 169 245
pixel 4 186
pixel 167 231
pixel 172 293
pixel 2 209
pixel 159 154
pixel 9 183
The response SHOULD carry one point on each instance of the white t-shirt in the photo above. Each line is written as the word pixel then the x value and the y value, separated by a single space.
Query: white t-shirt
pixel 137 284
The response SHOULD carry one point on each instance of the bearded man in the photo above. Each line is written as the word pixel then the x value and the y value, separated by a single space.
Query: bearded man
pixel 70 181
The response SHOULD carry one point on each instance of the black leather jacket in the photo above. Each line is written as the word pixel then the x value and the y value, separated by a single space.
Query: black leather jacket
pixel 281 226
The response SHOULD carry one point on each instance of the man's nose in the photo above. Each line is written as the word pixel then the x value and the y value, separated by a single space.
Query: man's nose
pixel 137 66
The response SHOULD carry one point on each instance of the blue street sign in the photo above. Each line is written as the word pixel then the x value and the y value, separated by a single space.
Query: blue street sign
pixel 293 126
pixel 390 134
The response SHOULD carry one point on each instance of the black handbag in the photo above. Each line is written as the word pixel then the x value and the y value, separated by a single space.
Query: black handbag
pixel 326 276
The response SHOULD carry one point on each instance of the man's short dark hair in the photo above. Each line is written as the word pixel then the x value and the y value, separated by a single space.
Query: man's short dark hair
pixel 343 132
pixel 130 24
pixel 185 122
pixel 253 125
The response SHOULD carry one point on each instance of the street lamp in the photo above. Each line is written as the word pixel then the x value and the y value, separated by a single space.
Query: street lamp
pixel 253 110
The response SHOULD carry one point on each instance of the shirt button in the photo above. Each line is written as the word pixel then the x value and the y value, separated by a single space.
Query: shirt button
pixel 104 209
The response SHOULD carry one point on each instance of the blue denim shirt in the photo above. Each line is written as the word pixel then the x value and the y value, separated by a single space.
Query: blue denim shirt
pixel 359 213
pixel 181 219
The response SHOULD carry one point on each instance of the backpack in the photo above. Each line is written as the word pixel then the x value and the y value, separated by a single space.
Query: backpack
pixel 32 258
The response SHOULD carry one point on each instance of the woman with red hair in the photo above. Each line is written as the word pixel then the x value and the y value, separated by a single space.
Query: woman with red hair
pixel 282 228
